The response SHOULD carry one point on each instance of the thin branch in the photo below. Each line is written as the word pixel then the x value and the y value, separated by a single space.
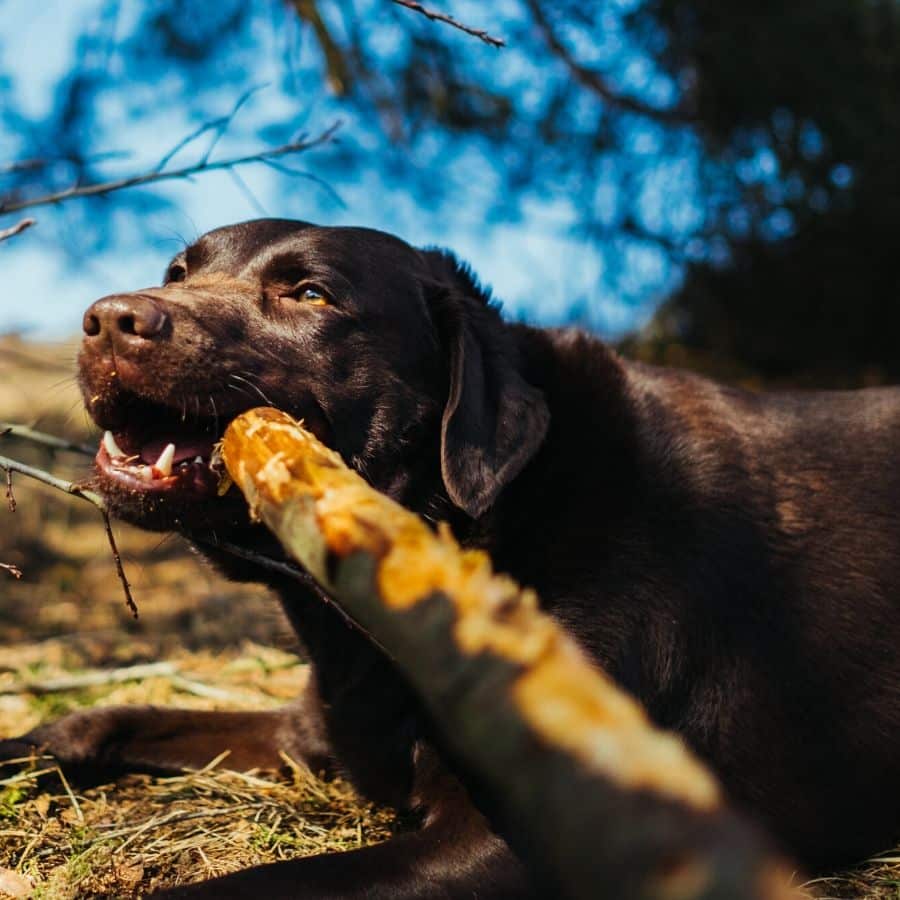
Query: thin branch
pixel 18 228
pixel 449 20
pixel 10 496
pixel 36 164
pixel 67 487
pixel 285 569
pixel 120 570
pixel 99 678
pixel 219 125
pixel 15 571
pixel 106 187
pixel 302 173
pixel 13 465
pixel 594 81
pixel 250 197
pixel 41 437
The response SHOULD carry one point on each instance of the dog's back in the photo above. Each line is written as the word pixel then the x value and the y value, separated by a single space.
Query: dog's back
pixel 733 559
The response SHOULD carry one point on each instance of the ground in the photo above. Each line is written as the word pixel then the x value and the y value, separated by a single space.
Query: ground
pixel 68 641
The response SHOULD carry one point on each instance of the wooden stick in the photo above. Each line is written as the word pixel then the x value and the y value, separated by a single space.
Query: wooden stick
pixel 569 766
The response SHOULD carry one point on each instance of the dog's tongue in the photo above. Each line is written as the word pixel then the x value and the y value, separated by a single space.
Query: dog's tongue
pixel 187 446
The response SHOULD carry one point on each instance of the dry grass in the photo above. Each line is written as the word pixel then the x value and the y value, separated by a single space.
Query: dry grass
pixel 224 646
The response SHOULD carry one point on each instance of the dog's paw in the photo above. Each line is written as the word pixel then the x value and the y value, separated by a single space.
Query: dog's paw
pixel 74 741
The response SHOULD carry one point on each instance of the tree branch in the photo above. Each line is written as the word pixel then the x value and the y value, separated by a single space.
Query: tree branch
pixel 449 20
pixel 18 228
pixel 594 81
pixel 337 68
pixel 13 465
pixel 106 187
pixel 48 440
pixel 67 487
pixel 285 569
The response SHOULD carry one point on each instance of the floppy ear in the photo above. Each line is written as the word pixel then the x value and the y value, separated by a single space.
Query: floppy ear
pixel 494 420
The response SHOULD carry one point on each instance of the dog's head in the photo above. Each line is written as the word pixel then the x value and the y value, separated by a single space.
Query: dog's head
pixel 391 355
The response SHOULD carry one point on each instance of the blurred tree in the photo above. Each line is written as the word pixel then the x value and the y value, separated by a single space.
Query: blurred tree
pixel 800 111
pixel 733 159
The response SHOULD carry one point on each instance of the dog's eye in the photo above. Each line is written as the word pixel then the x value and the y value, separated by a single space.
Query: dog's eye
pixel 176 272
pixel 309 293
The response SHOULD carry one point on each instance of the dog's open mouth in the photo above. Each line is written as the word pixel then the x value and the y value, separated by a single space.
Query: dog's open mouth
pixel 157 452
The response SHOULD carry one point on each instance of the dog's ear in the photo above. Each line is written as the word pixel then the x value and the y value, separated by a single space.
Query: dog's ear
pixel 494 421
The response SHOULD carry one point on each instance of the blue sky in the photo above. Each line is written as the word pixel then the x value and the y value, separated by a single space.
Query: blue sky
pixel 536 263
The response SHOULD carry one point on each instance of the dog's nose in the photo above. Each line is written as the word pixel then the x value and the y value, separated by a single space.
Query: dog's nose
pixel 128 321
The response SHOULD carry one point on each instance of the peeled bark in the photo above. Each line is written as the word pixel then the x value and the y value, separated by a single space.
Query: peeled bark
pixel 569 768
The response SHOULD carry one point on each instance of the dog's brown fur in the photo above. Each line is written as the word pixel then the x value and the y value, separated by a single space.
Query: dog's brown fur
pixel 732 559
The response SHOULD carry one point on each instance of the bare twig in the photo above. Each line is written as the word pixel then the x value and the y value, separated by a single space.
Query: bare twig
pixel 15 571
pixel 593 80
pixel 10 496
pixel 104 677
pixel 219 125
pixel 72 799
pixel 13 465
pixel 106 187
pixel 41 437
pixel 449 20
pixel 282 568
pixel 18 228
pixel 37 164
pixel 302 173
pixel 129 599
pixel 207 691
pixel 67 487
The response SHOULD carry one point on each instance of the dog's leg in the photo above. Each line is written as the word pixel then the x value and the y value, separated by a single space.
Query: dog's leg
pixel 107 741
pixel 453 856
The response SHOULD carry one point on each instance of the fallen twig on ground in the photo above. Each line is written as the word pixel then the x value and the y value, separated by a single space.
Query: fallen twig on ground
pixel 83 680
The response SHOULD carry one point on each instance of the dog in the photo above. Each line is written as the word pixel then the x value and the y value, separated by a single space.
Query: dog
pixel 732 559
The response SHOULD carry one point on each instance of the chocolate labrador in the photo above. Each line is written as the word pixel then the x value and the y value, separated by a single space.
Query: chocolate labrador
pixel 732 559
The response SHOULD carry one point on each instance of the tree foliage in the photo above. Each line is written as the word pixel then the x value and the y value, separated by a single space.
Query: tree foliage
pixel 731 160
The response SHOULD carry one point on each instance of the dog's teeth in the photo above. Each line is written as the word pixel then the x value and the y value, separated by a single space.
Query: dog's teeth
pixel 111 447
pixel 145 472
pixel 162 468
pixel 198 459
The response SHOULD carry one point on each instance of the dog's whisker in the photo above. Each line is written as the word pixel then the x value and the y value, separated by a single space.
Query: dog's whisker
pixel 212 403
pixel 254 387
